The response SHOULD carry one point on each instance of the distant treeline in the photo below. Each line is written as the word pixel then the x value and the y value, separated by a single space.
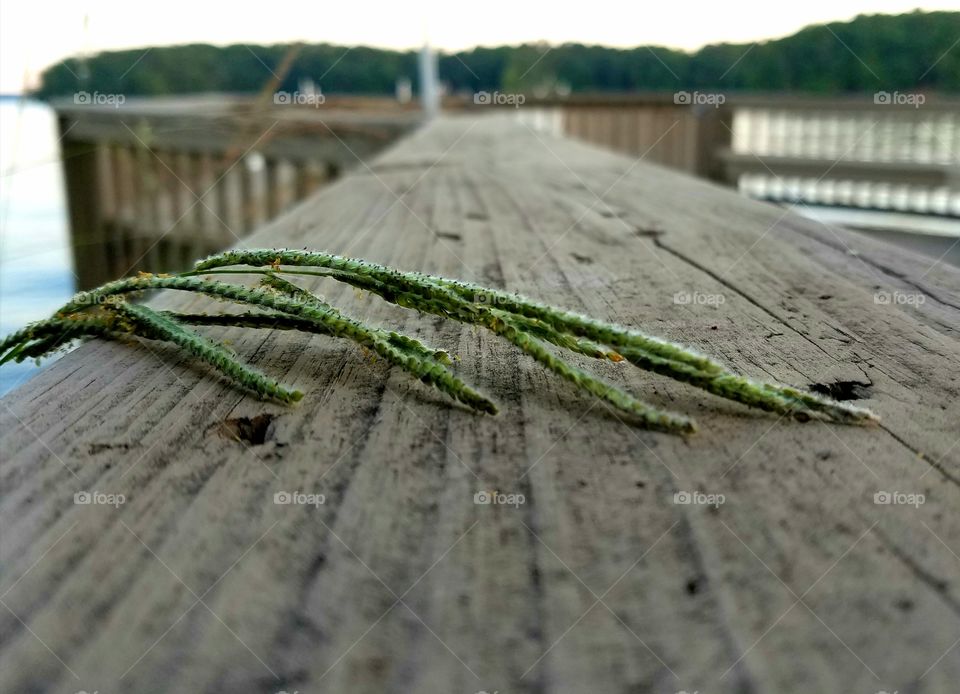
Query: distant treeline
pixel 913 51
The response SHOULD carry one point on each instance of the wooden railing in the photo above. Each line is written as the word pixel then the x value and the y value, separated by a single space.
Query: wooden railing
pixel 851 153
pixel 155 183
pixel 867 152
pixel 652 126
pixel 613 574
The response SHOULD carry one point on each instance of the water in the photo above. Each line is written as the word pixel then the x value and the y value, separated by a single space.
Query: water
pixel 36 266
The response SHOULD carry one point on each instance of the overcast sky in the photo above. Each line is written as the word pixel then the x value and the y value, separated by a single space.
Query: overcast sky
pixel 37 33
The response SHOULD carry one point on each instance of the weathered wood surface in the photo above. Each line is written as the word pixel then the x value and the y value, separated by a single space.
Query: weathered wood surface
pixel 599 583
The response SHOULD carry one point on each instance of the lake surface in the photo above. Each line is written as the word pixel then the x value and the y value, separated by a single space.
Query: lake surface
pixel 36 266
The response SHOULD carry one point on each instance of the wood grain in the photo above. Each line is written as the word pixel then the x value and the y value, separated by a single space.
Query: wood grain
pixel 599 582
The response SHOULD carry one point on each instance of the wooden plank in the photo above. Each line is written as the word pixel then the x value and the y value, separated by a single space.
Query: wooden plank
pixel 294 134
pixel 599 582
pixel 913 173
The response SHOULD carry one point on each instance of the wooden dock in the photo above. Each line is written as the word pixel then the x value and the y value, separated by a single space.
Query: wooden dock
pixel 603 580
pixel 158 182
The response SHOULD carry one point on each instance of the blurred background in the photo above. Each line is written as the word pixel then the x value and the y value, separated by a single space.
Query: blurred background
pixel 138 137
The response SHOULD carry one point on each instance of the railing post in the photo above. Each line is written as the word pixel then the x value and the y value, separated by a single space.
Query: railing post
pixel 82 175
pixel 273 194
pixel 714 135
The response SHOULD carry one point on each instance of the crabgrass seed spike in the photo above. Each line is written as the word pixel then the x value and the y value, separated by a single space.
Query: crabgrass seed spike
pixel 282 305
